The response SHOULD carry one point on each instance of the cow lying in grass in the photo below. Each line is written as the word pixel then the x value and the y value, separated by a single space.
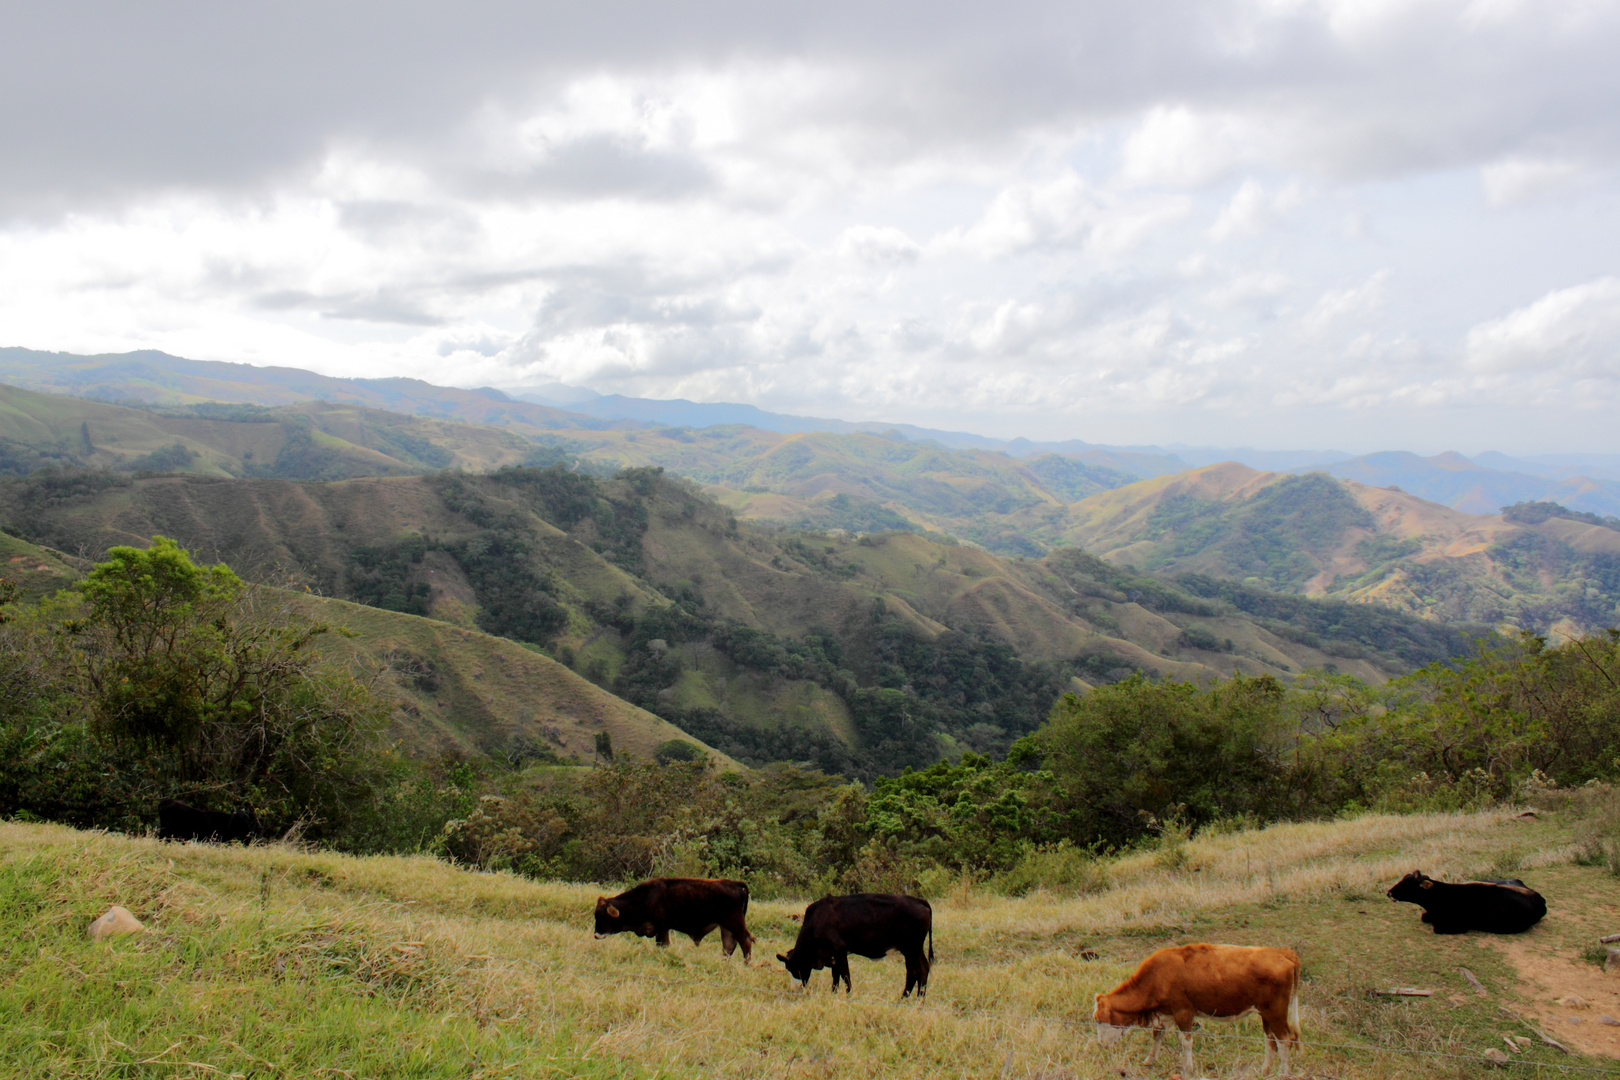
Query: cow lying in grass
pixel 1219 981
pixel 1497 907
pixel 690 906
pixel 180 821
pixel 866 924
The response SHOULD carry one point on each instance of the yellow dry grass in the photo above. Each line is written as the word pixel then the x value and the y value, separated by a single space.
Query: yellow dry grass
pixel 1010 995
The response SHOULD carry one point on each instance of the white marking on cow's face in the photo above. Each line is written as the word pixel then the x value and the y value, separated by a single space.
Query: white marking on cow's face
pixel 1109 1035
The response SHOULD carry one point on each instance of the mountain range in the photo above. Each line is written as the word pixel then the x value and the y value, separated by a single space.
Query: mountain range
pixel 1482 484
pixel 774 594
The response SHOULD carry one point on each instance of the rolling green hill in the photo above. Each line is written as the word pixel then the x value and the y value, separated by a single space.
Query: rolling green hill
pixel 858 653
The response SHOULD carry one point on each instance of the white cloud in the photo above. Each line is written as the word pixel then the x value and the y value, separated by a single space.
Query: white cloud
pixel 1573 332
pixel 1517 179
pixel 877 245
pixel 1177 146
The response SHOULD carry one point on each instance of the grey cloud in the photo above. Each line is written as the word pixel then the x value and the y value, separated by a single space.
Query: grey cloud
pixel 381 220
pixel 101 99
pixel 602 166
pixel 580 304
pixel 378 307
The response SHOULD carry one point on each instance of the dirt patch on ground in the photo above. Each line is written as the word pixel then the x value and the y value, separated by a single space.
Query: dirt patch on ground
pixel 1548 976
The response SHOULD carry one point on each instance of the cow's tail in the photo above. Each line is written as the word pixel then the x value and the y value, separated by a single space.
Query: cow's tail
pixel 1293 1005
pixel 930 938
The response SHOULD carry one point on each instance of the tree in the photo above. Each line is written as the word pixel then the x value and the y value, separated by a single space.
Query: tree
pixel 1126 755
pixel 214 690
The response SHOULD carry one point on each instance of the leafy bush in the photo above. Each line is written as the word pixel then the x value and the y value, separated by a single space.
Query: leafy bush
pixel 159 678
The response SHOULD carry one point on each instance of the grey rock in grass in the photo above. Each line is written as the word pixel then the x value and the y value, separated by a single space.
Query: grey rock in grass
pixel 115 922
pixel 1609 1020
pixel 1496 1057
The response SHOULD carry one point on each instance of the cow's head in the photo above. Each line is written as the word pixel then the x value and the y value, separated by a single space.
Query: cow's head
pixel 1410 888
pixel 800 963
pixel 1111 1023
pixel 609 919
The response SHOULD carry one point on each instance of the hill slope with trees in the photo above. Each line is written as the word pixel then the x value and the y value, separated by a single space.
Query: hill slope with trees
pixel 856 653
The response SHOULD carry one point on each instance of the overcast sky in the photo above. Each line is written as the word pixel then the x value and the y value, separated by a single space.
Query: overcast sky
pixel 1359 224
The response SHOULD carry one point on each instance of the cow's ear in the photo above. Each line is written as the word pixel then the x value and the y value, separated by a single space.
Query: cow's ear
pixel 613 911
pixel 782 958
pixel 1426 884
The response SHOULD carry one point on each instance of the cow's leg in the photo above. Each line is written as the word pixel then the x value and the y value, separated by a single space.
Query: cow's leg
pixel 662 937
pixel 1265 1066
pixel 841 970
pixel 924 969
pixel 728 943
pixel 913 976
pixel 1450 928
pixel 1186 1052
pixel 1153 1051
pixel 737 934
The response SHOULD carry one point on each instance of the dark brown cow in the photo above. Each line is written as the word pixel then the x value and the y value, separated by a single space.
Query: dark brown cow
pixel 1504 906
pixel 866 924
pixel 690 906
pixel 1219 981
pixel 180 821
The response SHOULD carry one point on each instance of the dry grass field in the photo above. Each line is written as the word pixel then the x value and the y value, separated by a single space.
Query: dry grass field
pixel 272 962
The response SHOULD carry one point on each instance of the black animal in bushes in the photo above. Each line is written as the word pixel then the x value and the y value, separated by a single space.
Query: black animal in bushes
pixel 866 924
pixel 690 906
pixel 1497 907
pixel 180 821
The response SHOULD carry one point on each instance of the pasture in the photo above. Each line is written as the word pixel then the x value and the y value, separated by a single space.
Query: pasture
pixel 274 962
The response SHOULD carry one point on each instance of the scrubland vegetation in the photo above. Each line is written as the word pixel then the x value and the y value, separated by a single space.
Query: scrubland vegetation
pixel 157 678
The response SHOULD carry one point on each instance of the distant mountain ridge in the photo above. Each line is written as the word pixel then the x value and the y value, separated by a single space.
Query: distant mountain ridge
pixel 1023 498
pixel 1484 484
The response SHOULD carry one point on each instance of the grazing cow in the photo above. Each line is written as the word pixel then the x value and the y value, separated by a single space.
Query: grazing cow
pixel 690 906
pixel 1496 907
pixel 866 924
pixel 179 821
pixel 1219 981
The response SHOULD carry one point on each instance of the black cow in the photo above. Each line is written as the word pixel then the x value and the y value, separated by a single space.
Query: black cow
pixel 179 821
pixel 690 906
pixel 866 924
pixel 1496 907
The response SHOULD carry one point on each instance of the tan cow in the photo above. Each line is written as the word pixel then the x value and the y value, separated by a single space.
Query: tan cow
pixel 1219 981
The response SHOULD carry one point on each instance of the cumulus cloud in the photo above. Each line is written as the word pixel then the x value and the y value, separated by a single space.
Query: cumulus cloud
pixel 1573 332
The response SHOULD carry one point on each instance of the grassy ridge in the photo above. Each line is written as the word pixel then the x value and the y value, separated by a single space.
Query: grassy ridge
pixel 309 441
pixel 272 962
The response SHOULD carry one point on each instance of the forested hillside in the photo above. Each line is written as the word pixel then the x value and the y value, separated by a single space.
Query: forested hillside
pixel 860 654
pixel 1552 569
pixel 1285 533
